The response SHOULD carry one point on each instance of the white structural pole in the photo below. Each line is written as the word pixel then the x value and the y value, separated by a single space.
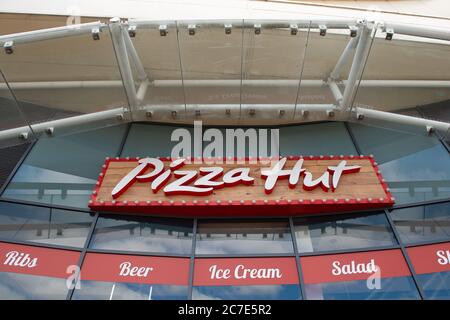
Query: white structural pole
pixel 405 83
pixel 418 31
pixel 220 83
pixel 117 113
pixel 52 33
pixel 336 92
pixel 142 90
pixel 133 55
pixel 123 62
pixel 301 23
pixel 62 84
pixel 400 118
pixel 344 58
pixel 219 112
pixel 357 65
pixel 77 29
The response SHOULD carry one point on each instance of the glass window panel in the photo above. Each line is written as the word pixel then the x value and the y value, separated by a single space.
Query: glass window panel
pixel 343 232
pixel 256 292
pixel 100 290
pixel 155 140
pixel 44 225
pixel 152 140
pixel 271 73
pixel 243 237
pixel 435 285
pixel 69 228
pixel 15 286
pixel 423 223
pixel 415 166
pixel 23 222
pixel 314 139
pixel 399 288
pixel 63 170
pixel 172 236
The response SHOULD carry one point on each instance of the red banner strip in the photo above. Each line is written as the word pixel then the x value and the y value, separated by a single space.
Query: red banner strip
pixel 37 260
pixel 135 269
pixel 353 266
pixel 245 271
pixel 430 258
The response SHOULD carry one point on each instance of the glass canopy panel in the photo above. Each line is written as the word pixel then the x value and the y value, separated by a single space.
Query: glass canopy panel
pixel 322 54
pixel 12 117
pixel 156 44
pixel 404 73
pixel 66 77
pixel 211 55
pixel 271 67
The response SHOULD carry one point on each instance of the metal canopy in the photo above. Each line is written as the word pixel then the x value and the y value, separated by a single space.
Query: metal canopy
pixel 77 77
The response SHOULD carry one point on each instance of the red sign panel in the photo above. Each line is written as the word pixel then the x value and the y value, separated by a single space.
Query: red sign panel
pixel 290 185
pixel 135 269
pixel 36 261
pixel 430 258
pixel 353 266
pixel 245 271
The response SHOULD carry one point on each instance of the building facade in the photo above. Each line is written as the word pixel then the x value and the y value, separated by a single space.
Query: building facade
pixel 44 214
pixel 335 90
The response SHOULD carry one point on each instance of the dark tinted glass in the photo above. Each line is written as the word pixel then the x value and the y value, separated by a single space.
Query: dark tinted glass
pixel 63 170
pixel 143 234
pixel 44 225
pixel 390 289
pixel 316 139
pixel 416 167
pixel 343 232
pixel 423 223
pixel 243 237
pixel 151 140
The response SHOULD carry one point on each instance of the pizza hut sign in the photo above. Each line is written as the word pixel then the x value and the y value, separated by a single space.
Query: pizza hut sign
pixel 289 186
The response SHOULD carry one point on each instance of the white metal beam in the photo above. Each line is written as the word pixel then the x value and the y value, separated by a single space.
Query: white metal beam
pixel 43 85
pixel 344 58
pixel 357 67
pixel 336 92
pixel 76 29
pixel 52 33
pixel 316 112
pixel 205 83
pixel 418 31
pixel 401 119
pixel 117 113
pixel 123 62
pixel 134 56
pixel 301 23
